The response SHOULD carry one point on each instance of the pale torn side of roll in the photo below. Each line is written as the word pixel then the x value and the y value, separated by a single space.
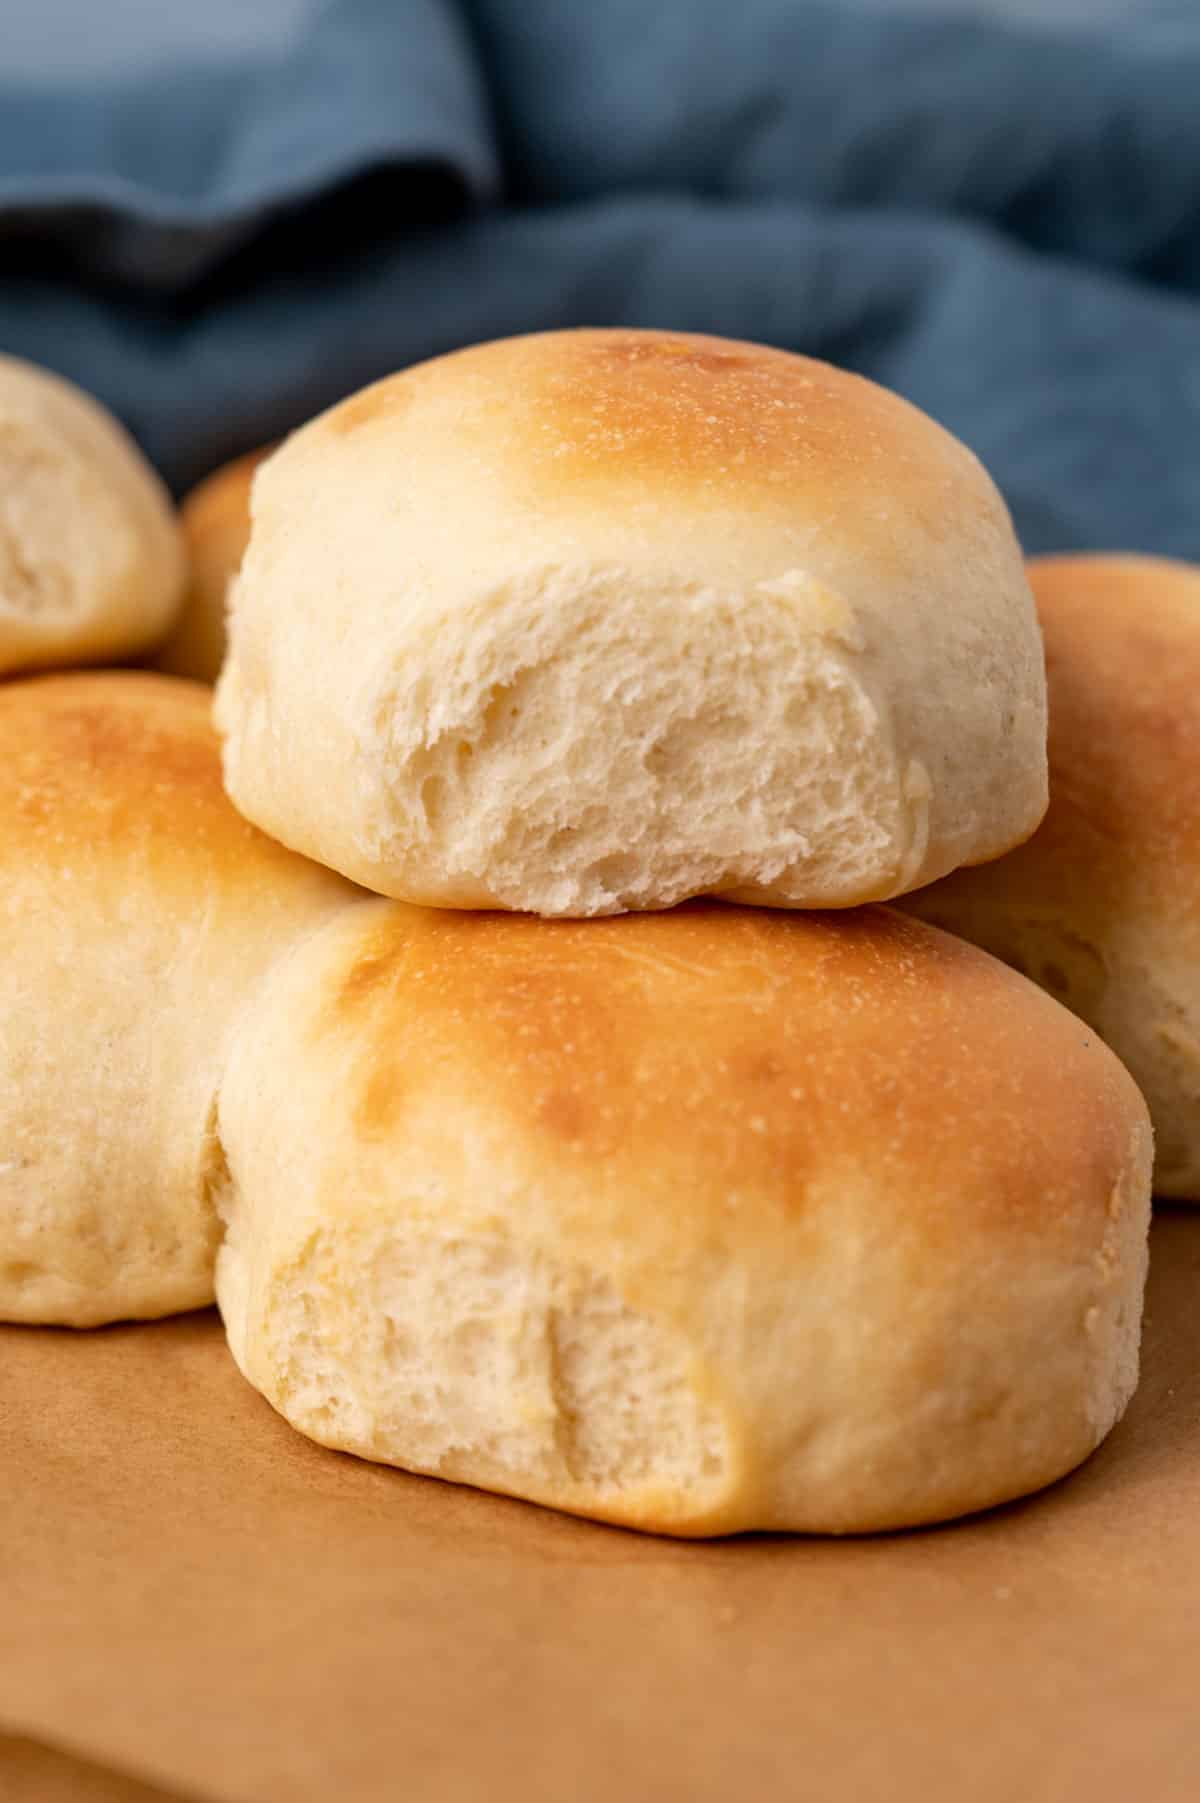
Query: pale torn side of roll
pixel 696 1222
pixel 593 621
pixel 91 560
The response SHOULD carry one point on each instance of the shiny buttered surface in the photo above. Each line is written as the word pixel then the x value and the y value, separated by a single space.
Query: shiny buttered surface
pixel 698 1221
pixel 1102 906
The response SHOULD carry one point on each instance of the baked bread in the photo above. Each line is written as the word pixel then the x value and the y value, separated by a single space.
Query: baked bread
pixel 598 620
pixel 91 564
pixel 697 1222
pixel 139 911
pixel 1102 906
pixel 215 518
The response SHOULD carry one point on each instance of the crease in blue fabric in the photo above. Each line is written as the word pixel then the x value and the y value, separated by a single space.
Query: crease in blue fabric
pixel 1000 221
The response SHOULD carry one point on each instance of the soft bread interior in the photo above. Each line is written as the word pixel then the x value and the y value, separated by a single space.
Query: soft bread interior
pixel 598 745
pixel 470 1356
pixel 590 622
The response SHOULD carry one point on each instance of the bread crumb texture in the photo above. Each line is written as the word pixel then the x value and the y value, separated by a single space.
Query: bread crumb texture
pixel 696 1222
pixel 592 622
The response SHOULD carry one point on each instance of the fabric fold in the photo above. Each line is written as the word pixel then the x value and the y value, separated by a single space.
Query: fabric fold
pixel 1000 220
pixel 1081 139
pixel 1080 391
pixel 151 175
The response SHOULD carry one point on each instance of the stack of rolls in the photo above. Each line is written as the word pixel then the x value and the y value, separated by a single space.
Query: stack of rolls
pixel 517 1047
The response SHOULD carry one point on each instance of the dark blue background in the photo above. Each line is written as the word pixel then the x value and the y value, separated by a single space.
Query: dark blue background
pixel 220 219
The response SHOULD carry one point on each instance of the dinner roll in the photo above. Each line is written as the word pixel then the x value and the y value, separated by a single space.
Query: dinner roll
pixel 91 565
pixel 1102 906
pixel 696 1222
pixel 216 525
pixel 597 620
pixel 139 910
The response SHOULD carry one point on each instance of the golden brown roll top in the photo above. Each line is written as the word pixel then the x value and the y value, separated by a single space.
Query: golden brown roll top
pixel 702 1221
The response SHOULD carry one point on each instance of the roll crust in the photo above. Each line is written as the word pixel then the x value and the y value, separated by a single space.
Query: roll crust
pixel 91 562
pixel 1102 906
pixel 593 621
pixel 697 1222
pixel 215 518
pixel 140 912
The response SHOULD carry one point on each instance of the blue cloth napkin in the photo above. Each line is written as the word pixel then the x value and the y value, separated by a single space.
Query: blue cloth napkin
pixel 222 221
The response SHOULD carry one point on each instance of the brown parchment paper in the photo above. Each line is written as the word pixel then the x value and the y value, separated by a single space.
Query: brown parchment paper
pixel 31 1772
pixel 196 1599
